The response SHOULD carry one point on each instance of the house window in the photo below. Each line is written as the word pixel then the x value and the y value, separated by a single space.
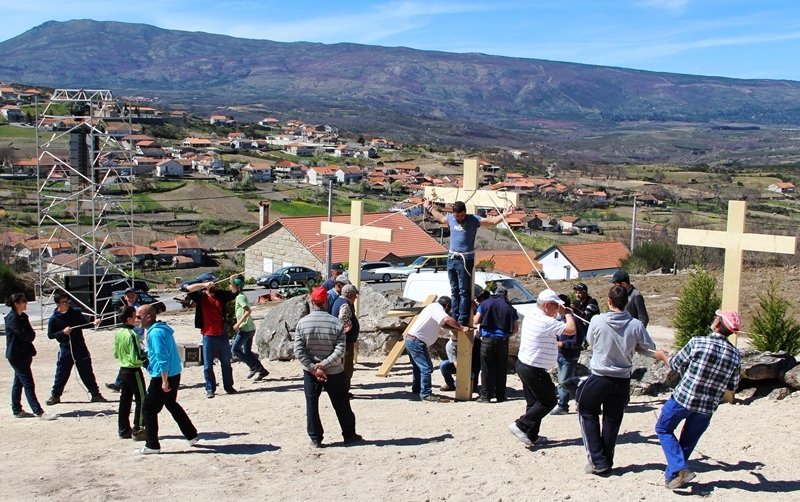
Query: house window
pixel 555 254
pixel 268 265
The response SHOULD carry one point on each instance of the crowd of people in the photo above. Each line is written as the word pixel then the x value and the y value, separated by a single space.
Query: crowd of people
pixel 324 344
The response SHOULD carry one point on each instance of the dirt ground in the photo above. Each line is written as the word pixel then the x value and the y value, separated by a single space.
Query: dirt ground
pixel 254 446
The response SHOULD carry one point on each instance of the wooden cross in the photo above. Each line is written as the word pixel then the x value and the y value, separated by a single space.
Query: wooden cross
pixel 398 348
pixel 734 241
pixel 473 197
pixel 356 231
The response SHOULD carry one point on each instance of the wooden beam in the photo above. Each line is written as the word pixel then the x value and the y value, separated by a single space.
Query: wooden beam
pixel 398 348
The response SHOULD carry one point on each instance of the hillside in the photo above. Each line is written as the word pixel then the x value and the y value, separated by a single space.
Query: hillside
pixel 419 95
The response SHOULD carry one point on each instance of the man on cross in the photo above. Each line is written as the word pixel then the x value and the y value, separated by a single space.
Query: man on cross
pixel 461 257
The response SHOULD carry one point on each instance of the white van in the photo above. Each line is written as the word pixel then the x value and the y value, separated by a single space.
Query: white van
pixel 419 286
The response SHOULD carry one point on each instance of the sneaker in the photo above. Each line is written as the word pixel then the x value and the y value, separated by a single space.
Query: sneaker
pixel 502 399
pixel 125 436
pixel 352 439
pixel 98 398
pixel 23 414
pixel 681 479
pixel 559 411
pixel 210 395
pixel 139 435
pixel 52 400
pixel 46 415
pixel 316 444
pixel 482 400
pixel 447 388
pixel 540 440
pixel 251 374
pixel 590 469
pixel 231 391
pixel 515 430
pixel 434 399
pixel 148 451
pixel 112 387
pixel 262 374
pixel 193 441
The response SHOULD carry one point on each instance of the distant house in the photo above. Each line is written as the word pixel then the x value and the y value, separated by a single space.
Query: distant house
pixel 286 169
pixel 268 122
pixel 343 151
pixel 259 171
pixel 12 113
pixel 300 150
pixel 782 187
pixel 183 245
pixel 349 174
pixel 577 261
pixel 169 167
pixel 322 175
pixel 567 223
pixel 221 120
pixel 586 227
pixel 196 142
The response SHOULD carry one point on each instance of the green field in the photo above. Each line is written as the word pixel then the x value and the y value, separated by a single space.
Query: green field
pixel 9 132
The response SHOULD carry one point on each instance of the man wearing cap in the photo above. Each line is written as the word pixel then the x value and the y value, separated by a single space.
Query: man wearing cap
pixel 614 337
pixel 461 257
pixel 319 345
pixel 334 293
pixel 336 270
pixel 498 321
pixel 709 365
pixel 538 352
pixel 635 303
pixel 423 333
pixel 345 310
pixel 569 347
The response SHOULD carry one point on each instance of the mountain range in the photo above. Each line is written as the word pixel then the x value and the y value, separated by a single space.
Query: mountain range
pixel 420 95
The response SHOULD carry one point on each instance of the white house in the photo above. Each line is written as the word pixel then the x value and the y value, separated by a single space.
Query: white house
pixel 169 167
pixel 322 175
pixel 300 149
pixel 12 113
pixel 349 174
pixel 343 151
pixel 287 169
pixel 259 170
pixel 779 187
pixel 577 261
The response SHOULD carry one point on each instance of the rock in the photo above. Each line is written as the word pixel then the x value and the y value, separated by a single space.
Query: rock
pixel 765 365
pixel 792 377
pixel 779 394
pixel 274 337
pixel 746 394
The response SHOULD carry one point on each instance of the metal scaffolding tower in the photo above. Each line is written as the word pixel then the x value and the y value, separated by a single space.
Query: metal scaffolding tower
pixel 85 200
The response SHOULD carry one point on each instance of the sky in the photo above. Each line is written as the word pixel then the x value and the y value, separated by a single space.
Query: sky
pixel 731 38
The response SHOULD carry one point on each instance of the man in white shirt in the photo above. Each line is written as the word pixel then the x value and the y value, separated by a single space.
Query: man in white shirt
pixel 423 333
pixel 538 352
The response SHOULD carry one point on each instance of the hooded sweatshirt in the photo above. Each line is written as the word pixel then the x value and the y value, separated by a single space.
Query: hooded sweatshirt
pixel 162 351
pixel 69 318
pixel 127 349
pixel 614 337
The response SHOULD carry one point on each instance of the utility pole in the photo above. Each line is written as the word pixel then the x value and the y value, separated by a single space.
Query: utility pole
pixel 329 248
pixel 633 225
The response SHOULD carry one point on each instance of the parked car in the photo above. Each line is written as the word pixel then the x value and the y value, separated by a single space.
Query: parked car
pixel 206 277
pixel 289 275
pixel 369 271
pixel 428 263
pixel 144 299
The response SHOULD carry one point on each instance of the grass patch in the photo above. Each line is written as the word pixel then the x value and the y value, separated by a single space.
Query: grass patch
pixel 9 131
pixel 298 208
pixel 144 203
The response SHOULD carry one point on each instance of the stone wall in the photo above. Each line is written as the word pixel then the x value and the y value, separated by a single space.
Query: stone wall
pixel 279 245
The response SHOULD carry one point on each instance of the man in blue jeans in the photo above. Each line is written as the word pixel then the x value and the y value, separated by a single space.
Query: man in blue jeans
pixel 422 334
pixel 461 257
pixel 710 365
pixel 209 317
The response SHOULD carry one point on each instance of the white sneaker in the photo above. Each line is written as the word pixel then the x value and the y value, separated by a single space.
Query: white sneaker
pixel 148 451
pixel 520 435
pixel 48 416
pixel 193 441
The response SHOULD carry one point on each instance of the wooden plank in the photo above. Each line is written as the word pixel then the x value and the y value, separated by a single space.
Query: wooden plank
pixel 404 313
pixel 743 242
pixel 363 232
pixel 482 198
pixel 400 346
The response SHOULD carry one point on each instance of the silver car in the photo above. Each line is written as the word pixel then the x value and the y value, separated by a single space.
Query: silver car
pixel 368 271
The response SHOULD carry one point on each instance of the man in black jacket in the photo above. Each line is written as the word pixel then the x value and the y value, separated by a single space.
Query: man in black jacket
pixel 569 347
pixel 635 306
pixel 498 321
pixel 66 326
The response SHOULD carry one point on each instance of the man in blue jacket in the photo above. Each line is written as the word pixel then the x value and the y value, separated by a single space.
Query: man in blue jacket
pixel 165 376
pixel 66 326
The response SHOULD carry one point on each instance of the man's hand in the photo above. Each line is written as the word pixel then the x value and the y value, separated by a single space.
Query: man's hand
pixel 165 386
pixel 319 373
pixel 236 326
pixel 67 330
pixel 662 356
pixel 508 211
pixel 464 329
pixel 426 204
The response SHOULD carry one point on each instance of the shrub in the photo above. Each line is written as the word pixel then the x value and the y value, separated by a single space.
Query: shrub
pixel 697 303
pixel 774 326
pixel 649 256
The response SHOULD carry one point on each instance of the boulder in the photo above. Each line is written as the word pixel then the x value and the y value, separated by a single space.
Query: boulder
pixel 274 337
pixel 792 377
pixel 765 365
pixel 780 393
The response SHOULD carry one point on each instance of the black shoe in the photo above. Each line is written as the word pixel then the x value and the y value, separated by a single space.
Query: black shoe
pixel 98 398
pixel 352 439
pixel 262 374
pixel 210 395
pixel 126 435
pixel 603 471
pixel 502 399
pixel 251 374
pixel 52 400
pixel 316 444
pixel 112 387
pixel 231 391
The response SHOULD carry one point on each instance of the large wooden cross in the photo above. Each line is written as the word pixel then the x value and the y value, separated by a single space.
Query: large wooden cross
pixel 734 241
pixel 356 231
pixel 474 198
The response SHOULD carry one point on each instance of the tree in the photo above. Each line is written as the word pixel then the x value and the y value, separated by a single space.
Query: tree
pixel 697 304
pixel 774 325
pixel 648 256
pixel 361 140
pixel 7 155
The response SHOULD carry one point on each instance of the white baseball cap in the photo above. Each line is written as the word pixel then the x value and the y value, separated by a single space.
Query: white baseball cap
pixel 548 295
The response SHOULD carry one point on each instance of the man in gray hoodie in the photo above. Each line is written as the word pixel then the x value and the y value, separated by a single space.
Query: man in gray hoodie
pixel 614 336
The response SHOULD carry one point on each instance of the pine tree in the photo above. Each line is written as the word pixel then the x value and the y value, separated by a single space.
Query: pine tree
pixel 698 302
pixel 774 326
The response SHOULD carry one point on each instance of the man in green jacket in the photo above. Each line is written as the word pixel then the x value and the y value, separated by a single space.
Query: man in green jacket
pixel 129 353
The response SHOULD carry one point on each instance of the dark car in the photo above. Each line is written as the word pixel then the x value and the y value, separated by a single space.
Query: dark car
pixel 144 299
pixel 206 277
pixel 289 275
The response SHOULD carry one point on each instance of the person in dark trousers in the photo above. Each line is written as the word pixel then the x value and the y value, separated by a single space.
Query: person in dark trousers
pixel 498 321
pixel 614 337
pixel 209 317
pixel 245 330
pixel 461 257
pixel 569 347
pixel 344 309
pixel 66 326
pixel 709 366
pixel 164 366
pixel 128 351
pixel 20 352
pixel 319 346
pixel 129 299
pixel 635 305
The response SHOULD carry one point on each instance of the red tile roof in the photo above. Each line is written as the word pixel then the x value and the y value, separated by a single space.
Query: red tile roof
pixel 594 255
pixel 509 262
pixel 407 239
